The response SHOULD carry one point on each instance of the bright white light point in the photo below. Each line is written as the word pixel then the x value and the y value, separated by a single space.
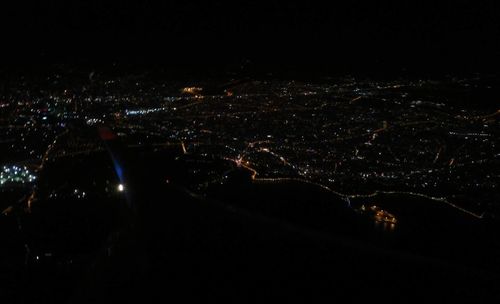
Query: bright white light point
pixel 121 188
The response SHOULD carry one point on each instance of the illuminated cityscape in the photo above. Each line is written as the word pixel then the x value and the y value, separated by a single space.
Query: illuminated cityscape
pixel 397 136
pixel 244 152
pixel 389 151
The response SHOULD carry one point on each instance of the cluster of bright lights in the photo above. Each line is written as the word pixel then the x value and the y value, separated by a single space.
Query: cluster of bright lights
pixel 94 121
pixel 143 111
pixel 192 90
pixel 16 175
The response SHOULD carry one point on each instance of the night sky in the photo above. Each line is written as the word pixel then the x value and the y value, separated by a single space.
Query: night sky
pixel 456 36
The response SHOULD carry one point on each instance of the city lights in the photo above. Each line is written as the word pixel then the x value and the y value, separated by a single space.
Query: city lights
pixel 12 175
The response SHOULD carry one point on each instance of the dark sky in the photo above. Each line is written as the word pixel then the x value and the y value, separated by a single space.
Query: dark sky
pixel 440 35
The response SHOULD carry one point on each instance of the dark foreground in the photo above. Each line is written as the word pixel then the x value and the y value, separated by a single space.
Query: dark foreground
pixel 244 241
